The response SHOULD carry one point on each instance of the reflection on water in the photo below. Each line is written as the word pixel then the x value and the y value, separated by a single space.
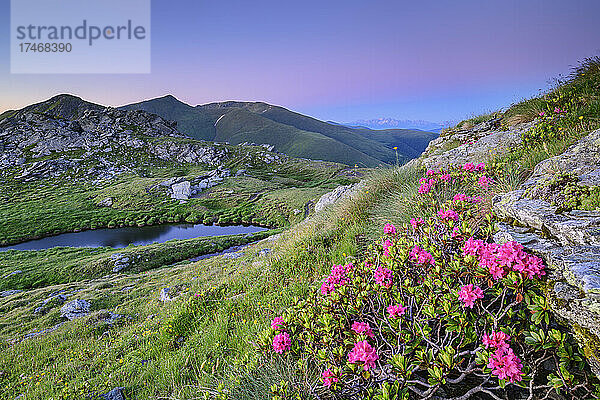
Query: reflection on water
pixel 122 237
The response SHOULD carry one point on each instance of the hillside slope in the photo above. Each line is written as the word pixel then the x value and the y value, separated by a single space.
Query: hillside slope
pixel 289 132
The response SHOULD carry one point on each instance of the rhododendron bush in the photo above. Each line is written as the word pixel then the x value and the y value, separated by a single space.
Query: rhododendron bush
pixel 435 310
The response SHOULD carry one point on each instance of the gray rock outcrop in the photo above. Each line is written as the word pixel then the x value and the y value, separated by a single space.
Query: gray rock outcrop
pixel 568 241
pixel 115 394
pixel 478 144
pixel 181 191
pixel 337 194
pixel 75 309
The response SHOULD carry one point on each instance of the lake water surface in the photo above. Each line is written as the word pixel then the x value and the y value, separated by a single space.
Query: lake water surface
pixel 122 237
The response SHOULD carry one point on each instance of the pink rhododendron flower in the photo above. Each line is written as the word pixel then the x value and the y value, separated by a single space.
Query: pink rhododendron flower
pixel 329 377
pixel 496 340
pixel 446 177
pixel 383 276
pixel 455 232
pixel 469 293
pixel 448 215
pixel 337 277
pixel 277 323
pixel 424 188
pixel 469 167
pixel 497 271
pixel 281 343
pixel 480 167
pixel 472 247
pixel 461 197
pixel 396 310
pixel 363 352
pixel 484 181
pixel 389 229
pixel 421 256
pixel 430 172
pixel 362 328
pixel 506 365
pixel 415 222
pixel 541 114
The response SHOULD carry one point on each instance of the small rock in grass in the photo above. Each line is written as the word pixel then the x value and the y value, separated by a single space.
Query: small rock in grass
pixel 115 394
pixel 7 293
pixel 75 309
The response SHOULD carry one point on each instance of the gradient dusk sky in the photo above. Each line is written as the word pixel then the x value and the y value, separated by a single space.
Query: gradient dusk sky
pixel 341 60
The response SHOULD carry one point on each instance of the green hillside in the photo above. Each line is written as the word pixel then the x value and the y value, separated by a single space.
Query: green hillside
pixel 289 132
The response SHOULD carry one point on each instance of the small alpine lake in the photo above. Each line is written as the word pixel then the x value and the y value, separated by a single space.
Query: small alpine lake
pixel 123 237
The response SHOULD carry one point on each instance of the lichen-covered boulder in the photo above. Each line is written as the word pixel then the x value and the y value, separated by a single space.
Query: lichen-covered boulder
pixel 568 241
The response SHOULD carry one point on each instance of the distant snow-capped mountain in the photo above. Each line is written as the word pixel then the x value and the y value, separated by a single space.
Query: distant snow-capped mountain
pixel 391 123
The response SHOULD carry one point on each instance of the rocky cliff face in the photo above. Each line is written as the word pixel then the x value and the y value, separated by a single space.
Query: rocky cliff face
pixel 66 135
pixel 567 239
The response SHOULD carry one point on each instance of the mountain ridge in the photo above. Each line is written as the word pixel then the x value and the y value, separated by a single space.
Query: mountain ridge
pixel 290 132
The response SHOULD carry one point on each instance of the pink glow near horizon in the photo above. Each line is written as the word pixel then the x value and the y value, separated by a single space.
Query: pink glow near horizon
pixel 344 60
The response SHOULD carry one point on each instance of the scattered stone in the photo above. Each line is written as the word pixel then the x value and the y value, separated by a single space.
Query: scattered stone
pixel 338 194
pixel 75 309
pixel 108 317
pixel 181 191
pixel 115 394
pixel 170 293
pixel 264 252
pixel 42 332
pixel 233 256
pixel 7 293
pixel 120 262
pixel 12 273
pixel 107 202
pixel 478 144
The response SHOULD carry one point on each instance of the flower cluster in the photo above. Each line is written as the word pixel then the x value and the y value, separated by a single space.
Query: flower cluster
pixel 362 328
pixel 386 247
pixel 484 181
pixel 499 259
pixel 496 340
pixel 448 215
pixel 422 257
pixel 363 352
pixel 452 175
pixel 396 310
pixel 383 276
pixel 469 293
pixel 503 362
pixel 277 323
pixel 329 377
pixel 389 229
pixel 338 277
pixel 282 342
pixel 415 222
pixel 472 167
pixel 450 302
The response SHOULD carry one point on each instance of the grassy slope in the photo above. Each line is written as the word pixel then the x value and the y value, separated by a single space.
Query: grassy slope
pixel 289 132
pixel 247 292
pixel 410 143
pixel 239 126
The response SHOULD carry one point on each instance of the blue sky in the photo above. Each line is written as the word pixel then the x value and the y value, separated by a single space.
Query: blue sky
pixel 341 60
